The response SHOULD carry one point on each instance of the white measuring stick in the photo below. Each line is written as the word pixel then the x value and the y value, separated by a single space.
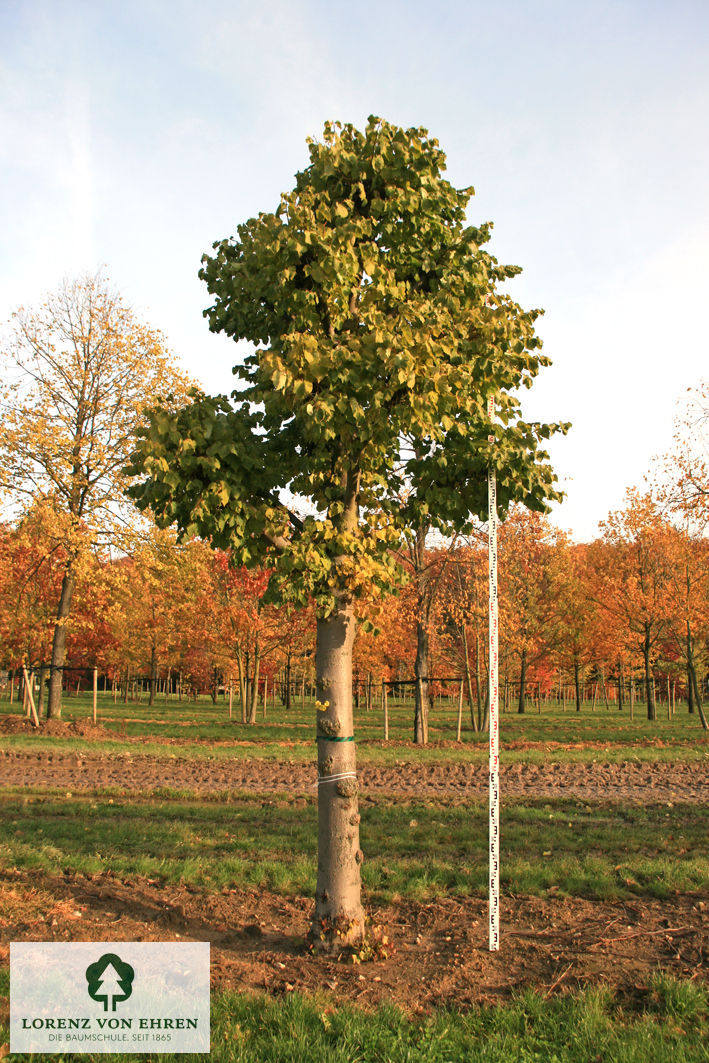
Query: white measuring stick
pixel 494 903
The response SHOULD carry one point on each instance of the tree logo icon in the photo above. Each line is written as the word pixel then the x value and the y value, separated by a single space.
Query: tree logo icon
pixel 110 980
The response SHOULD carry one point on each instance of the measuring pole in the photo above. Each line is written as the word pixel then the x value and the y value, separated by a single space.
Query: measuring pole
pixel 494 902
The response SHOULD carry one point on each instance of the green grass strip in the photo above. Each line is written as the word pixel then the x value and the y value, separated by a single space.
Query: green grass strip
pixel 418 850
pixel 670 1024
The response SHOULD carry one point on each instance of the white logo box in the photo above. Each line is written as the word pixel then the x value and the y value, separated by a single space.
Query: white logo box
pixel 107 996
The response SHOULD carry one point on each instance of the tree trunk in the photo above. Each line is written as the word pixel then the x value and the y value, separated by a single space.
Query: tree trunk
pixel 621 682
pixel 693 684
pixel 153 674
pixel 484 723
pixel 649 690
pixel 56 675
pixel 242 682
pixel 253 700
pixel 577 684
pixel 477 680
pixel 40 688
pixel 522 679
pixel 421 671
pixel 286 699
pixel 690 666
pixel 339 918
pixel 469 681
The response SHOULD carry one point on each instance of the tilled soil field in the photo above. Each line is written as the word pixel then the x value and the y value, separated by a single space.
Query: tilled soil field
pixel 630 782
pixel 438 954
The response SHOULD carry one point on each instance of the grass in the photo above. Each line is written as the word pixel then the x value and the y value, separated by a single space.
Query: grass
pixel 669 1023
pixel 198 730
pixel 416 850
pixel 421 850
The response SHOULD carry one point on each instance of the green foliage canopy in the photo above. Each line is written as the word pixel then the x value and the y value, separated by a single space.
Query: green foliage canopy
pixel 381 332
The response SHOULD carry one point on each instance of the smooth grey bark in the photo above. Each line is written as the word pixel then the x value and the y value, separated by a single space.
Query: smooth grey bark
pixel 649 689
pixel 253 699
pixel 522 680
pixel 621 683
pixel 42 681
pixel 693 684
pixel 422 672
pixel 339 917
pixel 577 684
pixel 56 675
pixel 153 674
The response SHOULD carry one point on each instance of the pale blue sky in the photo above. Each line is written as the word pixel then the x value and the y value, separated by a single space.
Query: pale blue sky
pixel 135 134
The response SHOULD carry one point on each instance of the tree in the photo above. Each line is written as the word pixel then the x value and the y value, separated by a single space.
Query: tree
pixel 82 369
pixel 682 491
pixel 379 325
pixel 684 474
pixel 30 574
pixel 630 567
pixel 465 609
pixel 576 631
pixel 527 605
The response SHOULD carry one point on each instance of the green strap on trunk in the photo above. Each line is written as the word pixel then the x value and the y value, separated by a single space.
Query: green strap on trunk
pixel 329 738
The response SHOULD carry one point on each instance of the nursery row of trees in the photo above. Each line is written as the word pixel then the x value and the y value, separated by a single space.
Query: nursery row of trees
pixel 387 359
pixel 85 582
pixel 630 607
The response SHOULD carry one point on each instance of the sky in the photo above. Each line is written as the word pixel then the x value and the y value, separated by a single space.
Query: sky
pixel 134 135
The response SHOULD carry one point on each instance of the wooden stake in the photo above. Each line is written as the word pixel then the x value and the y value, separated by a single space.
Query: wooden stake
pixel 28 688
pixel 460 712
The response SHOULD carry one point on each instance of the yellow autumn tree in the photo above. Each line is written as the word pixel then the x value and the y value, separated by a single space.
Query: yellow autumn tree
pixel 79 372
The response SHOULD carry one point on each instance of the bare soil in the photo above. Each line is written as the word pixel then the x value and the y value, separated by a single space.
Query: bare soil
pixel 630 782
pixel 439 953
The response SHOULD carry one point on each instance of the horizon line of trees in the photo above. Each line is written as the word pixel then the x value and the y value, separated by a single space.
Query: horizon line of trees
pixel 623 617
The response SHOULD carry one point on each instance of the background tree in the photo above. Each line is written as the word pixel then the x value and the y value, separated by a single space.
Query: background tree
pixel 81 369
pixel 464 618
pixel 683 475
pixel 31 562
pixel 379 324
pixel 574 634
pixel 681 488
pixel 630 569
pixel 527 542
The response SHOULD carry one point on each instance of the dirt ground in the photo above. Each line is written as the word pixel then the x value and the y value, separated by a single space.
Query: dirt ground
pixel 630 782
pixel 439 951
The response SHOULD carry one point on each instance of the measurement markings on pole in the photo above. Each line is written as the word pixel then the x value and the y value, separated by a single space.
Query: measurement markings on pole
pixel 494 767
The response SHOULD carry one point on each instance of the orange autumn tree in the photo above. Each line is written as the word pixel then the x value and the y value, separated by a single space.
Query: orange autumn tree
pixel 155 589
pixel 254 634
pixel 30 574
pixel 527 542
pixel 33 555
pixel 576 638
pixel 631 568
pixel 463 620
